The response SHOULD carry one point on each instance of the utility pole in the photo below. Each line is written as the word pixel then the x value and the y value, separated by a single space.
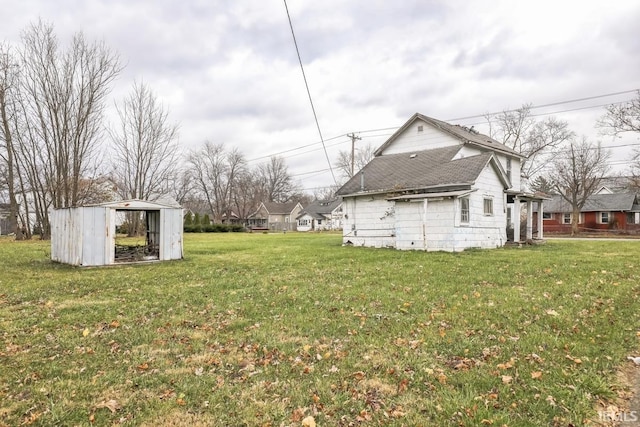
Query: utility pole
pixel 353 149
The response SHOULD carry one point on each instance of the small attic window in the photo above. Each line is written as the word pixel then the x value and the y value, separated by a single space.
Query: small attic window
pixel 420 128
pixel 413 156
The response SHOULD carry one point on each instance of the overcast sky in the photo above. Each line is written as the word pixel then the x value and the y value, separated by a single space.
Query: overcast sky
pixel 228 71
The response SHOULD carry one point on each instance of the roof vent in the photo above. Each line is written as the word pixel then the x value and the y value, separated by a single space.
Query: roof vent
pixel 420 128
pixel 413 156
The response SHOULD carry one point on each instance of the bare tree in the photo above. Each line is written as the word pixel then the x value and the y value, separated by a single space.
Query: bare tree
pixel 145 144
pixel 621 118
pixel 362 156
pixel 247 194
pixel 276 182
pixel 535 140
pixel 182 187
pixel 63 96
pixel 216 173
pixel 325 193
pixel 577 173
pixel 9 81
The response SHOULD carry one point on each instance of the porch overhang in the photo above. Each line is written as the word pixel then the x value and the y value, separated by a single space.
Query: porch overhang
pixel 439 195
pixel 518 197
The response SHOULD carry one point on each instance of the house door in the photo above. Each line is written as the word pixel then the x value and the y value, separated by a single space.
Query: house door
pixel 410 224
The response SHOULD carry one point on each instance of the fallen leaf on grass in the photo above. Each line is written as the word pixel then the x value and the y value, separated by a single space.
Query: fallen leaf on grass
pixel 309 422
pixel 359 375
pixel 536 375
pixel 551 400
pixel 110 404
pixel 506 379
pixel 574 359
pixel 85 332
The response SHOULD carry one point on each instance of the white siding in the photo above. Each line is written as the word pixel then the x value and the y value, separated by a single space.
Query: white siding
pixel 483 231
pixel 410 224
pixel 468 151
pixel 412 140
pixel 515 169
pixel 309 225
pixel 368 221
pixel 441 219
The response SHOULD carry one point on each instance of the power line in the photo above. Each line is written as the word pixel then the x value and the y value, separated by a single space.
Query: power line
pixel 552 104
pixel 315 116
pixel 324 146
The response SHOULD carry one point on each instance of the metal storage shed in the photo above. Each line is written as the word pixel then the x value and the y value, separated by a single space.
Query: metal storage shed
pixel 86 235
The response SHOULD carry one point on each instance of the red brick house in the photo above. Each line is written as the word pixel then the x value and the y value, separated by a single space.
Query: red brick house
pixel 617 211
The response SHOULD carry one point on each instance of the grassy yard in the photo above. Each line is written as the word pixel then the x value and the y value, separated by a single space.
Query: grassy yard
pixel 286 329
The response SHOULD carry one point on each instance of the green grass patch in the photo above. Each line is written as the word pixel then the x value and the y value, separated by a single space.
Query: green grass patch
pixel 269 329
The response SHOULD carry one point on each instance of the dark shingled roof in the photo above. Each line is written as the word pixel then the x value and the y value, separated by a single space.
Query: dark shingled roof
pixel 597 203
pixel 280 208
pixel 417 170
pixel 320 207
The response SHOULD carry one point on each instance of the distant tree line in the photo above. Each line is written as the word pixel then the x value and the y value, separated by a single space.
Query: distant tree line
pixel 57 151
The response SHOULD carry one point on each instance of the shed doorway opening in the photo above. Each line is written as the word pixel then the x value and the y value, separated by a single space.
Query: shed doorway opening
pixel 138 236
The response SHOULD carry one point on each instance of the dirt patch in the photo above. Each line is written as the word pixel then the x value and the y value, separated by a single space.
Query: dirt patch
pixel 625 411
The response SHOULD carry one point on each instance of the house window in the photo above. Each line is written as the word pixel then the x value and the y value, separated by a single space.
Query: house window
pixel 319 222
pixel 464 209
pixel 631 218
pixel 488 207
pixel 509 169
pixel 547 215
pixel 566 218
pixel 420 128
pixel 604 217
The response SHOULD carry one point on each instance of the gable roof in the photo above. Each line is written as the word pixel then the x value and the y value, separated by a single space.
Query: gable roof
pixel 596 203
pixel 421 170
pixel 319 208
pixel 464 134
pixel 274 208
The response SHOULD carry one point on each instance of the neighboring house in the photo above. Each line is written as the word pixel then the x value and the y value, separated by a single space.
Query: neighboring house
pixel 275 216
pixel 437 186
pixel 603 211
pixel 321 215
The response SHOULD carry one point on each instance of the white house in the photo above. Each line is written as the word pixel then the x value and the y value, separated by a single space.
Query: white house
pixel 321 215
pixel 86 235
pixel 436 186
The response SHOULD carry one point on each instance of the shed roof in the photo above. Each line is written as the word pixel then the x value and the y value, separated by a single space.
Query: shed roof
pixel 418 170
pixel 596 203
pixel 136 205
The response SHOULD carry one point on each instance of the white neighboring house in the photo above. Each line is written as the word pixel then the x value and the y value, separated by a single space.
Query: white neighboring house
pixel 321 215
pixel 437 186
